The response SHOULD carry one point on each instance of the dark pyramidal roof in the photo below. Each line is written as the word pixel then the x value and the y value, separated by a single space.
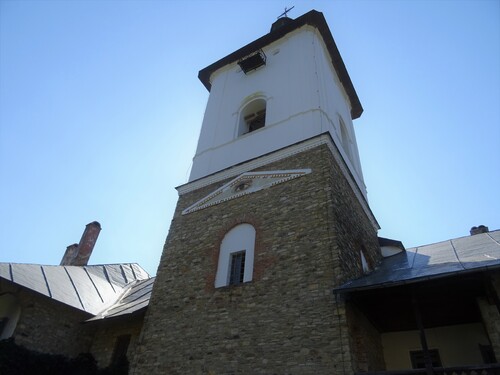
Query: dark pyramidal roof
pixel 461 255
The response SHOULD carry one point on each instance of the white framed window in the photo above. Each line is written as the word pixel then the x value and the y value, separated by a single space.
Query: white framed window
pixel 236 256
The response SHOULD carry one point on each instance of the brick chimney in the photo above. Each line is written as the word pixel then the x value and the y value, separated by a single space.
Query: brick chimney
pixel 478 230
pixel 78 255
pixel 70 254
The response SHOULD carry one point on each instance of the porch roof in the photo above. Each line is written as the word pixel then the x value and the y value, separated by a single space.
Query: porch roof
pixel 93 288
pixel 442 259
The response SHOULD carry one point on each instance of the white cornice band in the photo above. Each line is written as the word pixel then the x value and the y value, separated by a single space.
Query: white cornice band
pixel 283 153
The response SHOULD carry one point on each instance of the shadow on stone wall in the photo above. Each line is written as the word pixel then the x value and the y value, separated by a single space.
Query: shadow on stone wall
pixel 15 359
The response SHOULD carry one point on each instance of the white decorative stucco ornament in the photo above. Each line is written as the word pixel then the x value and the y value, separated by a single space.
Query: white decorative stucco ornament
pixel 246 183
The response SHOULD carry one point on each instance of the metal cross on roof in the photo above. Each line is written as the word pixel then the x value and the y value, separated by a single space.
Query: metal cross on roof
pixel 284 14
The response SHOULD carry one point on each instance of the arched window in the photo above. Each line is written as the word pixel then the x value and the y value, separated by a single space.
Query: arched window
pixel 364 263
pixel 236 256
pixel 345 139
pixel 252 116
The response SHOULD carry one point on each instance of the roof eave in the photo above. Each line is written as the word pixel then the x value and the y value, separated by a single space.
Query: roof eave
pixel 389 284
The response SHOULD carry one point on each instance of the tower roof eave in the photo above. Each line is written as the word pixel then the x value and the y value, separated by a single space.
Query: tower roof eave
pixel 313 18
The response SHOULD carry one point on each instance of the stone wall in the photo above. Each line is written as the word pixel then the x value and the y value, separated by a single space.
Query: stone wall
pixel 287 321
pixel 48 326
pixel 366 342
pixel 352 230
pixel 106 334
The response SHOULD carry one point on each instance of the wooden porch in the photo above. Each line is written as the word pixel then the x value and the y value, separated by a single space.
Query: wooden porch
pixel 431 307
pixel 486 369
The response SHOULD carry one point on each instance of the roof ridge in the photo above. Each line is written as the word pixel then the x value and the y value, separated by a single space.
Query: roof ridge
pixel 456 254
pixel 488 233
pixel 456 238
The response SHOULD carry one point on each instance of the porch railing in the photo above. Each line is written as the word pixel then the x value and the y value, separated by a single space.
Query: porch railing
pixel 489 369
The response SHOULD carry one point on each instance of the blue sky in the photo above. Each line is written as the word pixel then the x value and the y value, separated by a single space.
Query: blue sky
pixel 101 107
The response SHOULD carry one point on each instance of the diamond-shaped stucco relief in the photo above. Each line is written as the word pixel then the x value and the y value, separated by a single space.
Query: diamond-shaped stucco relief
pixel 246 183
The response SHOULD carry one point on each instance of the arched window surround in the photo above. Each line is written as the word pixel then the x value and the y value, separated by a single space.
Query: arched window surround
pixel 236 247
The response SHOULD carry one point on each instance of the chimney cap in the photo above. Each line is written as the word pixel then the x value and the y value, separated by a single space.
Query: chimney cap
pixel 96 223
pixel 69 255
pixel 479 229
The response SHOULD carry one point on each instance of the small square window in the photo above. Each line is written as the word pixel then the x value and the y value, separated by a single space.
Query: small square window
pixel 237 270
pixel 418 358
pixel 487 353
pixel 252 62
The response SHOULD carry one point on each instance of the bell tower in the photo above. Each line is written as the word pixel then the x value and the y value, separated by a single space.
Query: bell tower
pixel 274 217
pixel 282 89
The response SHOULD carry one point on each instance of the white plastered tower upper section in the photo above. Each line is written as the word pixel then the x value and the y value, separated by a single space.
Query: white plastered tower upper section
pixel 304 98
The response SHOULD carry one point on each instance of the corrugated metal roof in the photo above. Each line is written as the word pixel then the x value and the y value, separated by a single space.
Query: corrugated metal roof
pixel 89 288
pixel 464 254
pixel 134 299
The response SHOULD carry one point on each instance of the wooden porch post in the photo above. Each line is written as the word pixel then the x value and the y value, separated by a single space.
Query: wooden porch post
pixel 491 292
pixel 423 339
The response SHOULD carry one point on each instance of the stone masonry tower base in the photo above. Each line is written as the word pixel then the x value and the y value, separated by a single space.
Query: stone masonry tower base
pixel 309 232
